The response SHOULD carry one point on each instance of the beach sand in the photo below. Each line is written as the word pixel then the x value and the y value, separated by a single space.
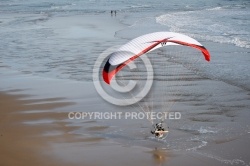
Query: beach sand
pixel 35 128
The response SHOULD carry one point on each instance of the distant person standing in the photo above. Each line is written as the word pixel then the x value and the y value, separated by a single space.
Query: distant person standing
pixel 111 12
pixel 115 12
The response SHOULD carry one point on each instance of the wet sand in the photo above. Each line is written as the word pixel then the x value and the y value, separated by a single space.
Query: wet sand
pixel 22 143
pixel 38 132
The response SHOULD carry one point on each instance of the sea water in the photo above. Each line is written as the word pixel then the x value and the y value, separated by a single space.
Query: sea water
pixel 27 45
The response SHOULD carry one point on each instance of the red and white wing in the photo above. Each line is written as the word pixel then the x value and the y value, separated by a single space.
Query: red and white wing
pixel 144 44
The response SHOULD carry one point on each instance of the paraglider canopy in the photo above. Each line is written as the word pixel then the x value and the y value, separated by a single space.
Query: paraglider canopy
pixel 144 44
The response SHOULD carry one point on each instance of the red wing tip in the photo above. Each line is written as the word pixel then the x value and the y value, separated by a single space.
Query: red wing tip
pixel 106 77
pixel 108 82
pixel 206 55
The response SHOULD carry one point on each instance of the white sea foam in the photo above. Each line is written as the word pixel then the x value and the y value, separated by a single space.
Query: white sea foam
pixel 205 131
pixel 203 143
pixel 215 8
pixel 217 24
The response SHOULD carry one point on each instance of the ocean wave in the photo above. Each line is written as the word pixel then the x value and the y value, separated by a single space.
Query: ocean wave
pixel 140 6
pixel 200 130
pixel 215 8
pixel 218 27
